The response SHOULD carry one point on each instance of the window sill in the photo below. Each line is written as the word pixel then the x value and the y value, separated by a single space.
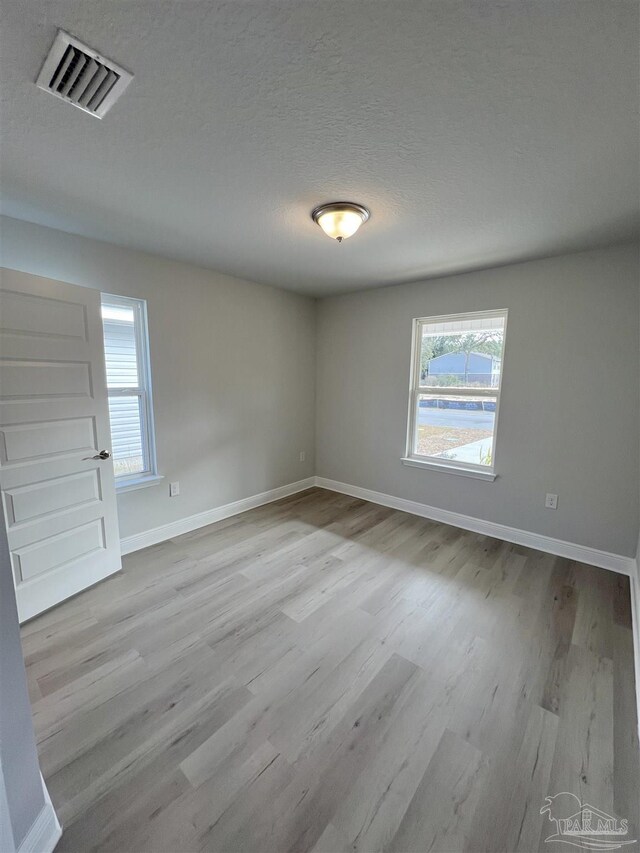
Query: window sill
pixel 444 468
pixel 138 483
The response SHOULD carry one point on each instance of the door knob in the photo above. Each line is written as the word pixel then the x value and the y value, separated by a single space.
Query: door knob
pixel 104 454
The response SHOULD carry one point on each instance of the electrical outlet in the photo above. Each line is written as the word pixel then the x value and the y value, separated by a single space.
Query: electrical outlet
pixel 303 455
pixel 551 501
pixel 174 490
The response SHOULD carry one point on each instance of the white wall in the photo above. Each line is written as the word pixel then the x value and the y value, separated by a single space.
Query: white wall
pixel 233 367
pixel 569 416
pixel 22 800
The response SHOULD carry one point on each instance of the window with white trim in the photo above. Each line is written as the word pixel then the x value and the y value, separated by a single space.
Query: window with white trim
pixel 126 349
pixel 456 381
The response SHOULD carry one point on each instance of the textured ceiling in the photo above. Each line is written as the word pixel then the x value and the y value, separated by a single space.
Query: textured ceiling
pixel 478 133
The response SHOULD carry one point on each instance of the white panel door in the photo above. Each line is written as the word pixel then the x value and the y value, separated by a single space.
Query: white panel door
pixel 59 499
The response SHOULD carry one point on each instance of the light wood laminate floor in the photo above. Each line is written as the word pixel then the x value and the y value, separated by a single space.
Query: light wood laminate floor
pixel 327 674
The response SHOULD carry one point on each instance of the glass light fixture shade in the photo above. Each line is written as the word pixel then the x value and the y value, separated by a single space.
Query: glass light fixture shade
pixel 340 219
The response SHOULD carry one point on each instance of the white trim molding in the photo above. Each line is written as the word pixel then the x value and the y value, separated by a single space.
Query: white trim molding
pixel 45 831
pixel 138 483
pixel 192 522
pixel 570 550
pixel 445 468
pixel 580 553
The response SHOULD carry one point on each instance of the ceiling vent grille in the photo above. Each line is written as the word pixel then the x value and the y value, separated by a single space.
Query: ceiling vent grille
pixel 77 74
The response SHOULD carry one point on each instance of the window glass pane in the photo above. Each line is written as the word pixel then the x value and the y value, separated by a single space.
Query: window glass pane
pixel 465 353
pixel 126 435
pixel 120 346
pixel 128 384
pixel 455 428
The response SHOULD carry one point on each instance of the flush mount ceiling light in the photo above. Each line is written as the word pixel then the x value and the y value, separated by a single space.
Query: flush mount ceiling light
pixel 340 219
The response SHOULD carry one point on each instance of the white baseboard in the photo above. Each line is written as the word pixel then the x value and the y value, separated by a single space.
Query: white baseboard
pixel 201 519
pixel 571 550
pixel 45 831
pixel 580 553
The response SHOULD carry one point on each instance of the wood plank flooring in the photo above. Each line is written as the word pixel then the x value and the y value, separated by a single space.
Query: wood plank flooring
pixel 324 674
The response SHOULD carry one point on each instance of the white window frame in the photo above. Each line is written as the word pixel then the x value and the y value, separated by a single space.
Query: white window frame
pixel 143 391
pixel 468 469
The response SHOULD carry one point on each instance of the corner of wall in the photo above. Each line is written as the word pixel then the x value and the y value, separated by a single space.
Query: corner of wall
pixel 45 832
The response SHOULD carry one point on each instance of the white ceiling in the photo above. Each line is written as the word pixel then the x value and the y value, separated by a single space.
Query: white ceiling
pixel 478 133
